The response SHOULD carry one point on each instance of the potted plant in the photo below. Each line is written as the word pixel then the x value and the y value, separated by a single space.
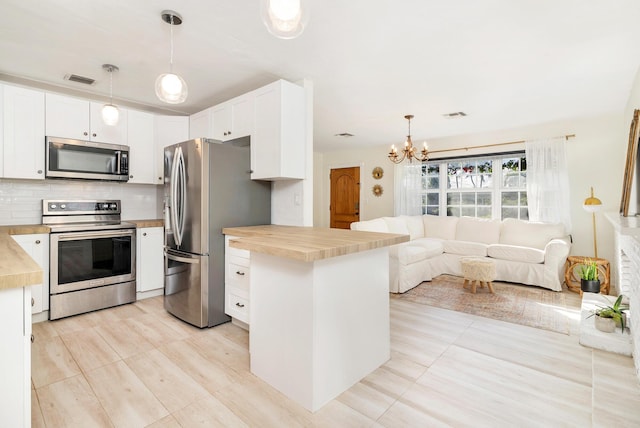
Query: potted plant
pixel 589 281
pixel 607 318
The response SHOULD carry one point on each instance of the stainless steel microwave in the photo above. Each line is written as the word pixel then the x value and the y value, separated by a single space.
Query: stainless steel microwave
pixel 88 160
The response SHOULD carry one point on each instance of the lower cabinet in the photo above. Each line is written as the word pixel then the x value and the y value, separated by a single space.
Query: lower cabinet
pixel 236 281
pixel 149 260
pixel 37 246
pixel 15 360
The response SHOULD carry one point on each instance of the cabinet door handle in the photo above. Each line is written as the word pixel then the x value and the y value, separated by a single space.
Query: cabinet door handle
pixel 94 134
pixel 85 133
pixel 144 234
pixel 33 302
pixel 240 305
pixel 37 241
pixel 33 338
pixel 239 273
pixel 131 176
pixel 39 171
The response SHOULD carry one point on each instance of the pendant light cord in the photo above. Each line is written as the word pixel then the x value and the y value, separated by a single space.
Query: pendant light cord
pixel 171 49
pixel 111 87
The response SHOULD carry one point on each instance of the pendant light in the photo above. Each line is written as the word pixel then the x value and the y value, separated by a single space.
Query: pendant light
pixel 285 19
pixel 110 112
pixel 171 88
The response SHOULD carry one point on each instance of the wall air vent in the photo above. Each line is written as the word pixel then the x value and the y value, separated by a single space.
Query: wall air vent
pixel 344 134
pixel 79 79
pixel 454 115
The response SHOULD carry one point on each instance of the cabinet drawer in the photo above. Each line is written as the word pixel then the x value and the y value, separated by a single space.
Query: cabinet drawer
pixel 240 261
pixel 237 252
pixel 238 275
pixel 237 306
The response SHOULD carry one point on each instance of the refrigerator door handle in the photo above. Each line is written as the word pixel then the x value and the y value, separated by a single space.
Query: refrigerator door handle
pixel 175 208
pixel 182 215
pixel 190 260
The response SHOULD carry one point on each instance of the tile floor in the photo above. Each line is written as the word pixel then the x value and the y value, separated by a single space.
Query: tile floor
pixel 136 365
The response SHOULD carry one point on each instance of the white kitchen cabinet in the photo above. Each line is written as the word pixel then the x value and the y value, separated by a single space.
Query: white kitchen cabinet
pixel 201 124
pixel 149 259
pixel 234 118
pixel 37 247
pixel 278 139
pixel 224 122
pixel 23 133
pixel 142 148
pixel 69 117
pixel 15 360
pixel 168 130
pixel 236 281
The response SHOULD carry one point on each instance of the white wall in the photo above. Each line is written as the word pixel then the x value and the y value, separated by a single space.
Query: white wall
pixel 596 158
pixel 21 200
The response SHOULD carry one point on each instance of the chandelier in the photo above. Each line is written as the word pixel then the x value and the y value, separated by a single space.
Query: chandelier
pixel 408 152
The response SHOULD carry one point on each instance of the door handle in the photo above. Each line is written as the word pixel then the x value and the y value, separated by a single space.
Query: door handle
pixel 182 259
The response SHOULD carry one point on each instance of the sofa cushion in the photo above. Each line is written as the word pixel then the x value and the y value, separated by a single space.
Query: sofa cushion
pixel 516 253
pixel 439 226
pixel 397 225
pixel 409 253
pixel 529 234
pixel 465 248
pixel 415 226
pixel 375 225
pixel 481 230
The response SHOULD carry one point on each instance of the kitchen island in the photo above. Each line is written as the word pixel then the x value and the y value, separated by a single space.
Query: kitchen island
pixel 319 318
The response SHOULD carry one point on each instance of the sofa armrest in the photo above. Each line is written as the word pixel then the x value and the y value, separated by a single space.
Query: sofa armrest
pixel 555 255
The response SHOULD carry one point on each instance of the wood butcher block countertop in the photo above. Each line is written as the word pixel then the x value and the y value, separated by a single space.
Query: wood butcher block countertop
pixel 24 229
pixel 308 244
pixel 17 269
pixel 147 223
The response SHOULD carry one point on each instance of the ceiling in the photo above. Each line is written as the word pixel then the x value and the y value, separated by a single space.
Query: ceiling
pixel 504 63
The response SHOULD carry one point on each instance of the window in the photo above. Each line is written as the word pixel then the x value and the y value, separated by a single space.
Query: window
pixel 484 187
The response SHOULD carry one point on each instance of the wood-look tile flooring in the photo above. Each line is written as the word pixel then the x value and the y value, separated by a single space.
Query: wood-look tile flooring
pixel 136 365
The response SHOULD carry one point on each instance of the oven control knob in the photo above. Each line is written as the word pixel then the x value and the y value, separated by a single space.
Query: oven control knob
pixel 105 206
pixel 114 206
pixel 53 206
pixel 63 206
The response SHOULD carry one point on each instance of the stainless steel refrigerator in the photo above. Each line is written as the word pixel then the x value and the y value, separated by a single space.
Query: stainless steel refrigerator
pixel 207 187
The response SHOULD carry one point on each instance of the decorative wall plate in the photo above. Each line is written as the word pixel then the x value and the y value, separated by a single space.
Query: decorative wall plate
pixel 377 173
pixel 377 190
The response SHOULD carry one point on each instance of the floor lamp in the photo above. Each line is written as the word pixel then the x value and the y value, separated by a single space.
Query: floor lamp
pixel 593 205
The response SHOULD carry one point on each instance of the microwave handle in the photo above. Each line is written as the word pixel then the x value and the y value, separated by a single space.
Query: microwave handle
pixel 118 162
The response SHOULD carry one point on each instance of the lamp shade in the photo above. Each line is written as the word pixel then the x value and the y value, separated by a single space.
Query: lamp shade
pixel 592 204
pixel 285 19
pixel 110 114
pixel 171 88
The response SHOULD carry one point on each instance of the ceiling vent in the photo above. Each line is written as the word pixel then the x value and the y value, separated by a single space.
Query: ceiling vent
pixel 344 134
pixel 454 115
pixel 79 79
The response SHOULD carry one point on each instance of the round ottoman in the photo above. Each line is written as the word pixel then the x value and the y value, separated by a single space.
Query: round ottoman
pixel 478 269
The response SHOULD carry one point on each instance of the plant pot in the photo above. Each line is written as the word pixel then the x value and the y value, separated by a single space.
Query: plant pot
pixel 607 325
pixel 588 286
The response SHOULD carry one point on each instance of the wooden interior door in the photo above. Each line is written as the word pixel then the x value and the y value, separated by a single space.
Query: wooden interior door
pixel 345 197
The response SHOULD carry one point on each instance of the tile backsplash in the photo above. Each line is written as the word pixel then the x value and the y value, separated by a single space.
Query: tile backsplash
pixel 21 200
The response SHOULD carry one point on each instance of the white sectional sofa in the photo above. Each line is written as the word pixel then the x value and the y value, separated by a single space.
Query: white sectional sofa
pixel 524 252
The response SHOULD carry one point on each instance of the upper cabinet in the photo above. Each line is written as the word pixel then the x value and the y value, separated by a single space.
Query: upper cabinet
pixel 224 122
pixel 142 147
pixel 278 140
pixel 69 117
pixel 22 133
pixel 234 118
pixel 168 130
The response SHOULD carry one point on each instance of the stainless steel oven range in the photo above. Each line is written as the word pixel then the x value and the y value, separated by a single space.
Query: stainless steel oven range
pixel 92 256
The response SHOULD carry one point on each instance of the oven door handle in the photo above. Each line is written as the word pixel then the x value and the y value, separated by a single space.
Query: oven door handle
pixel 97 234
pixel 181 259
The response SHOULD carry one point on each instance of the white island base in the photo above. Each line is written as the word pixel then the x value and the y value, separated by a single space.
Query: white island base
pixel 318 327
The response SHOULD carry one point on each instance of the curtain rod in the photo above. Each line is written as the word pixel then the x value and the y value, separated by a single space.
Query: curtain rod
pixel 566 137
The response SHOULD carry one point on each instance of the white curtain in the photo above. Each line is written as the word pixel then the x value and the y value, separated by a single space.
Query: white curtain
pixel 408 188
pixel 548 181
